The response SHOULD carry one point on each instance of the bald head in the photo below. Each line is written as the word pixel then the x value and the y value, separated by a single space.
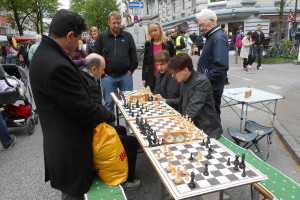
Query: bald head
pixel 95 64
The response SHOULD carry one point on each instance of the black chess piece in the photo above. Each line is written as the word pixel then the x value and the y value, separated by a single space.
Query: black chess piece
pixel 132 114
pixel 137 121
pixel 191 157
pixel 236 167
pixel 244 172
pixel 242 164
pixel 137 104
pixel 208 140
pixel 206 173
pixel 228 162
pixel 141 110
pixel 206 144
pixel 203 143
pixel 209 155
pixel 237 159
pixel 192 184
pixel 210 149
pixel 138 114
pixel 146 108
pixel 162 142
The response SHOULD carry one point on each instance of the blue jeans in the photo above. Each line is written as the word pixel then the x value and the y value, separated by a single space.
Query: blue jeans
pixel 5 138
pixel 258 53
pixel 3 59
pixel 110 84
pixel 11 61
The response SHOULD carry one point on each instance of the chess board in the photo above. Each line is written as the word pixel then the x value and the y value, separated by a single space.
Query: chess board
pixel 220 175
pixel 159 125
pixel 126 95
pixel 150 113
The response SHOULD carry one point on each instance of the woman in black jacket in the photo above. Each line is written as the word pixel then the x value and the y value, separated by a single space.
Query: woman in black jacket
pixel 156 41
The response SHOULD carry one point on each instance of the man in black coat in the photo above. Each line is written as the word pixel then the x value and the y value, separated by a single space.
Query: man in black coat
pixel 66 110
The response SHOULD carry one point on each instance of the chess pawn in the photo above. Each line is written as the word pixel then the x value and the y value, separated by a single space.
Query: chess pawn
pixel 182 159
pixel 187 177
pixel 199 156
pixel 186 141
pixel 178 179
pixel 172 111
pixel 173 171
pixel 165 148
pixel 169 167
pixel 169 152
pixel 158 155
pixel 184 170
pixel 198 162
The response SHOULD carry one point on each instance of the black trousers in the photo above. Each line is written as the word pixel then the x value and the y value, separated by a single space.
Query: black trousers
pixel 217 98
pixel 130 144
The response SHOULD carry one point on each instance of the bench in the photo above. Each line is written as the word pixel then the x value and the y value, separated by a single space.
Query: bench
pixel 278 186
pixel 101 191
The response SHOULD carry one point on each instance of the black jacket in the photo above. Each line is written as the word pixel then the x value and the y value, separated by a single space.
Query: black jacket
pixel 258 38
pixel 93 87
pixel 4 51
pixel 167 86
pixel 148 63
pixel 196 100
pixel 67 115
pixel 119 52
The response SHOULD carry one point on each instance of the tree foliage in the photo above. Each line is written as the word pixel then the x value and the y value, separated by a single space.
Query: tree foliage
pixel 95 12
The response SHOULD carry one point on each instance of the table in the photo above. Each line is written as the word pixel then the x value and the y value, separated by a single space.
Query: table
pixel 236 96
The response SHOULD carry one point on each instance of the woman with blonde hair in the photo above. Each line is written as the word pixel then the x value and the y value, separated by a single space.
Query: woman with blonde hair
pixel 94 32
pixel 156 41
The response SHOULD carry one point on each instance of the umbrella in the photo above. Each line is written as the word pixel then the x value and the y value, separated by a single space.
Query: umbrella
pixel 24 38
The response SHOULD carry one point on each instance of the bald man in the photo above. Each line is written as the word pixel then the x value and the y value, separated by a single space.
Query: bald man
pixel 93 69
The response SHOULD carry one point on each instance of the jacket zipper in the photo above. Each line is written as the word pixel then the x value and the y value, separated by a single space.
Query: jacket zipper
pixel 115 53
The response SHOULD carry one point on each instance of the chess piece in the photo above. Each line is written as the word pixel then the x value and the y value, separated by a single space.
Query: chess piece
pixel 244 172
pixel 192 183
pixel 206 144
pixel 236 167
pixel 208 140
pixel 199 156
pixel 209 155
pixel 182 158
pixel 236 159
pixel 198 162
pixel 228 162
pixel 178 179
pixel 158 155
pixel 185 141
pixel 172 111
pixel 169 167
pixel 184 170
pixel 165 148
pixel 242 164
pixel 206 173
pixel 210 149
pixel 173 172
pixel 187 176
pixel 191 157
pixel 169 152
pixel 203 143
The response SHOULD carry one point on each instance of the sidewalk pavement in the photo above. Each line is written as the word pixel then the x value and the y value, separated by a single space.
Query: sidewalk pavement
pixel 287 120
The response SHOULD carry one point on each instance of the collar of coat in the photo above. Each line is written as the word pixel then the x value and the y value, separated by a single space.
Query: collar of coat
pixel 190 77
pixel 212 31
pixel 120 34
pixel 89 73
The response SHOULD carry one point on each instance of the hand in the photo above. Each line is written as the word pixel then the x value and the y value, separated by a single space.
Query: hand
pixel 144 83
pixel 129 72
pixel 158 97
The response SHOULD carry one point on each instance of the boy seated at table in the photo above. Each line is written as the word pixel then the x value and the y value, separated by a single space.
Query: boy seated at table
pixel 196 96
pixel 165 85
pixel 92 69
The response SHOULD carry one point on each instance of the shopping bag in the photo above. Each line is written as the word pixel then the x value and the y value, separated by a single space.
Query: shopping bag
pixel 110 158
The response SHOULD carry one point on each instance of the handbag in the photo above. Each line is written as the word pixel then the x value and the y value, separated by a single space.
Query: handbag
pixel 21 58
pixel 110 158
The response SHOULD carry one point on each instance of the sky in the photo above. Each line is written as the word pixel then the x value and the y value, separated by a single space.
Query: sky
pixel 65 4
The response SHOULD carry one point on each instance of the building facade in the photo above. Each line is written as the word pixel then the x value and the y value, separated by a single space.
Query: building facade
pixel 231 14
pixel 6 25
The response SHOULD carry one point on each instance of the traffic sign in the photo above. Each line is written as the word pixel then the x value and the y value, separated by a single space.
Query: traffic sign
pixel 290 18
pixel 136 5
pixel 135 19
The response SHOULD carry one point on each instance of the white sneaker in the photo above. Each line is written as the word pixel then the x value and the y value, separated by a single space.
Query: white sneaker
pixel 261 68
pixel 249 66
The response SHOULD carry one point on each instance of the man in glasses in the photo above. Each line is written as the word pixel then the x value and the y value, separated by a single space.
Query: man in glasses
pixel 196 95
pixel 178 41
pixel 213 61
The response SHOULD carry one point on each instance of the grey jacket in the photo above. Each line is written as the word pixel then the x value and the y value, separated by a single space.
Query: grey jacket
pixel 196 100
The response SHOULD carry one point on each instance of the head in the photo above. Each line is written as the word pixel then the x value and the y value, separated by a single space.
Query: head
pixel 186 35
pixel 161 60
pixel 207 19
pixel 94 32
pixel 66 29
pixel 80 44
pixel 181 66
pixel 155 32
pixel 249 34
pixel 38 38
pixel 259 27
pixel 95 64
pixel 174 33
pixel 114 22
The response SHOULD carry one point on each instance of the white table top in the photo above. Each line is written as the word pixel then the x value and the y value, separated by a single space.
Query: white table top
pixel 238 94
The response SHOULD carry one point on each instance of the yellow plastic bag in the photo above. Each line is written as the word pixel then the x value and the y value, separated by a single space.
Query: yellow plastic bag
pixel 110 158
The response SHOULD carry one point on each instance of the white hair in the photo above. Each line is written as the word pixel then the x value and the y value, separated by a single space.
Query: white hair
pixel 38 38
pixel 207 14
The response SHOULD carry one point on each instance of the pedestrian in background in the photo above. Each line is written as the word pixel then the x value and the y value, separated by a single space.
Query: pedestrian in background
pixel 200 43
pixel 156 41
pixel 67 113
pixel 78 54
pixel 213 61
pixel 11 55
pixel 3 53
pixel 247 50
pixel 118 49
pixel 90 44
pixel 259 38
pixel 38 39
pixel 23 51
pixel 178 41
pixel 188 43
pixel 238 41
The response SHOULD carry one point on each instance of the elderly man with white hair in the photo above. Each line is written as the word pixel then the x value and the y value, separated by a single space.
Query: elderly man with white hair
pixel 38 39
pixel 213 61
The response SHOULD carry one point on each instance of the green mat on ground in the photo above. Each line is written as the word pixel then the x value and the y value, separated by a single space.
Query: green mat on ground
pixel 101 191
pixel 279 185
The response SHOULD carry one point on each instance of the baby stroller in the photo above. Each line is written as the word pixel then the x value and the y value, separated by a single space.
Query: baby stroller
pixel 15 106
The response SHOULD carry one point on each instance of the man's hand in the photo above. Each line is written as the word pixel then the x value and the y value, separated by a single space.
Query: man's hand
pixel 144 83
pixel 129 72
pixel 158 97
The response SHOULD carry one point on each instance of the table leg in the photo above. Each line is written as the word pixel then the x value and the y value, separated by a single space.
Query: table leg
pixel 117 113
pixel 242 117
pixel 221 195
pixel 161 190
pixel 246 115
pixel 254 193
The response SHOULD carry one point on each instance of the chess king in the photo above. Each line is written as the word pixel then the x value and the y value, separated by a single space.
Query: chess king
pixel 196 96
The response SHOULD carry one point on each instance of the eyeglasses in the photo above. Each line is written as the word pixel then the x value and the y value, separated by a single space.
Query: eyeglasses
pixel 174 74
pixel 173 31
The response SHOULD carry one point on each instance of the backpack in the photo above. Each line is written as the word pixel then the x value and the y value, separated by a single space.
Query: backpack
pixel 239 44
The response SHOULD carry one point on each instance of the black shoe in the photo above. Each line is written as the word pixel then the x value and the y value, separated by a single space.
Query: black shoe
pixel 14 139
pixel 226 83
pixel 127 186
